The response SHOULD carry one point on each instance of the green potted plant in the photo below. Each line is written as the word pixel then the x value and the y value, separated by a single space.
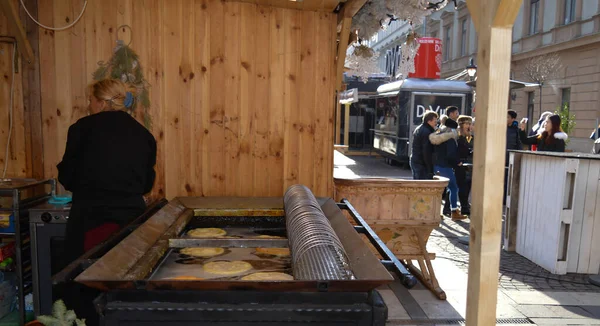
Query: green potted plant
pixel 60 317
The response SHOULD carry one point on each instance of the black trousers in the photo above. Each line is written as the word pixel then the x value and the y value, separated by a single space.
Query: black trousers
pixel 463 179
pixel 86 215
pixel 420 171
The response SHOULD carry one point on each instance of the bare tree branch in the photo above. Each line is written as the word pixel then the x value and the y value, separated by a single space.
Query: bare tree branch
pixel 543 68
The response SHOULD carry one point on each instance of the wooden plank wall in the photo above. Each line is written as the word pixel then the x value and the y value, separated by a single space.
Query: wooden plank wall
pixel 19 161
pixel 540 205
pixel 242 95
pixel 587 245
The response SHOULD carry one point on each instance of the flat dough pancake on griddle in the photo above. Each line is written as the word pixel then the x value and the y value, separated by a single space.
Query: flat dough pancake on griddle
pixel 227 267
pixel 281 252
pixel 264 236
pixel 202 251
pixel 268 276
pixel 186 278
pixel 207 233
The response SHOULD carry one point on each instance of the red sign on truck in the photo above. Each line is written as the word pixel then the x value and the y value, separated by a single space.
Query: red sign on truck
pixel 428 61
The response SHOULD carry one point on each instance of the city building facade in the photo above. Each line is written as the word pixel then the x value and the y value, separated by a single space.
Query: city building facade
pixel 568 28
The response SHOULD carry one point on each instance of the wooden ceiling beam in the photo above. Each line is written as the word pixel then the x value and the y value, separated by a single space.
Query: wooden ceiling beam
pixel 12 17
pixel 350 8
pixel 341 52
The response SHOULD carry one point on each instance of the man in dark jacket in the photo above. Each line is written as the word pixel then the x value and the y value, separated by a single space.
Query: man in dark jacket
pixel 513 141
pixel 421 161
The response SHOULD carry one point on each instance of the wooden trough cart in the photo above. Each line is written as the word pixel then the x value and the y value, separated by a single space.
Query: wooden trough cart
pixel 403 213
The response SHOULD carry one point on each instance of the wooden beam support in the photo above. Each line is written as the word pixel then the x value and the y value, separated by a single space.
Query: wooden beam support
pixel 347 124
pixel 338 120
pixel 493 21
pixel 32 99
pixel 341 52
pixel 12 17
pixel 473 7
pixel 350 8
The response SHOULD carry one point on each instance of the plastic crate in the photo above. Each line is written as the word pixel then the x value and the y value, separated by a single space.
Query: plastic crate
pixel 7 223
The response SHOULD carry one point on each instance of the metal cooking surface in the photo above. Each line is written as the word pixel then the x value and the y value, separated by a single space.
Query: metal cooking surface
pixel 176 264
pixel 317 252
pixel 147 258
pixel 228 243
pixel 321 263
pixel 239 233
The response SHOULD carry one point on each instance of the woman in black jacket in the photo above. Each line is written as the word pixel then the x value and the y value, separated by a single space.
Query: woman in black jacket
pixel 551 140
pixel 445 160
pixel 108 165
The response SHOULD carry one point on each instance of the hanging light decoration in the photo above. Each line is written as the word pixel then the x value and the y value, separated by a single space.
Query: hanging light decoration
pixel 363 62
pixel 409 51
pixel 377 14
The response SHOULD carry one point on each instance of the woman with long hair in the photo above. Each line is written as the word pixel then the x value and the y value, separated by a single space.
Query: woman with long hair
pixel 552 139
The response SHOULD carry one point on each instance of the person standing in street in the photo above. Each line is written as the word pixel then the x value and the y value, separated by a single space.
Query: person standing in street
pixel 553 139
pixel 421 161
pixel 446 160
pixel 439 138
pixel 464 169
pixel 513 142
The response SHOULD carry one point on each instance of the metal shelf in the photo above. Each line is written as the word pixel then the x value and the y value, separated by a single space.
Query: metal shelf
pixel 23 268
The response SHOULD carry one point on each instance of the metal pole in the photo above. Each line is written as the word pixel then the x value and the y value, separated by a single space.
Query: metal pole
pixel 595 279
pixel 541 85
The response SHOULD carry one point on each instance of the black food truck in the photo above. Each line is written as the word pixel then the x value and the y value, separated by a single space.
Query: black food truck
pixel 402 105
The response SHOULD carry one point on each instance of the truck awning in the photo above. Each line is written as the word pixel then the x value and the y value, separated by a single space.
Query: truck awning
pixel 514 84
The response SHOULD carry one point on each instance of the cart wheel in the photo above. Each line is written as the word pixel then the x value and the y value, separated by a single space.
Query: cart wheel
pixel 409 281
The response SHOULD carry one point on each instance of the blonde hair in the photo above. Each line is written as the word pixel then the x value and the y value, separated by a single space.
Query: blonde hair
pixel 113 91
pixel 443 119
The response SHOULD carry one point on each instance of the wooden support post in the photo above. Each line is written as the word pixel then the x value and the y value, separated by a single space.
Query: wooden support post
pixel 338 120
pixel 12 17
pixel 346 123
pixel 32 98
pixel 341 52
pixel 350 8
pixel 494 30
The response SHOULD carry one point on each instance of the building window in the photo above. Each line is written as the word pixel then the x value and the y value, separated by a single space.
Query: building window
pixel 392 62
pixel 530 107
pixel 566 97
pixel 463 37
pixel 569 11
pixel 447 43
pixel 534 11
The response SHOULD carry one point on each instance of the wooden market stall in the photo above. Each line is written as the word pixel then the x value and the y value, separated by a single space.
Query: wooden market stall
pixel 243 97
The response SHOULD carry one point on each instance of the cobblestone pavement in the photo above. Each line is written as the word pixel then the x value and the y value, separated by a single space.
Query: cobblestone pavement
pixel 516 271
pixel 366 167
